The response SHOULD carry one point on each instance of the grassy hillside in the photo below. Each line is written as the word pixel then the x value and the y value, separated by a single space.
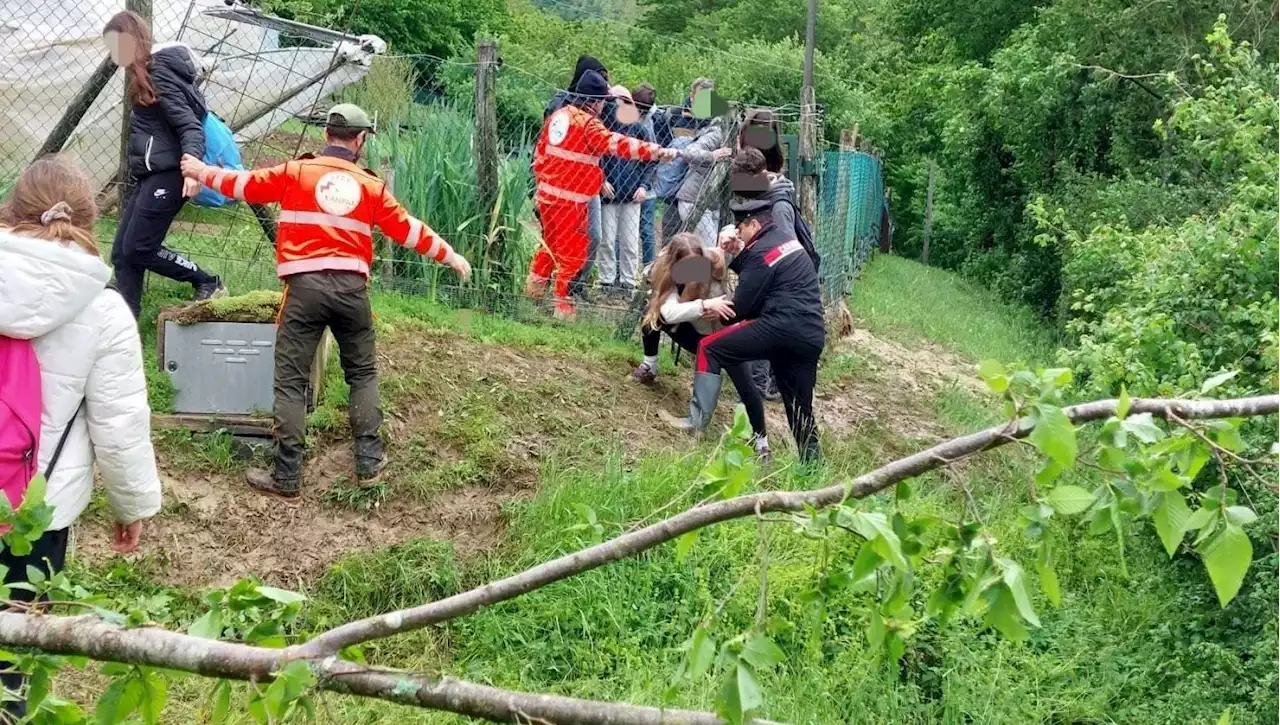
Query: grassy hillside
pixel 509 440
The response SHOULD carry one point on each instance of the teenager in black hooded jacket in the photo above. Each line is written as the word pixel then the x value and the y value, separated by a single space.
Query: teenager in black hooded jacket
pixel 166 121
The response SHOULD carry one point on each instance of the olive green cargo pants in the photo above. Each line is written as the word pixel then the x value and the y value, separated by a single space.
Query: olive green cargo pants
pixel 340 302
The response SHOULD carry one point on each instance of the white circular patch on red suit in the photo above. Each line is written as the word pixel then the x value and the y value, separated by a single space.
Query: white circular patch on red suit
pixel 338 193
pixel 559 128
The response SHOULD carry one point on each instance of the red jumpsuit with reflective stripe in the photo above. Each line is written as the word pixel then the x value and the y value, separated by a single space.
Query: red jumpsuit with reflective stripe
pixel 328 209
pixel 566 167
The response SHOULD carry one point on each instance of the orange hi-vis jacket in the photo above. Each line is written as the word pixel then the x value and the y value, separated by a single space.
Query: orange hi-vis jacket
pixel 566 161
pixel 328 209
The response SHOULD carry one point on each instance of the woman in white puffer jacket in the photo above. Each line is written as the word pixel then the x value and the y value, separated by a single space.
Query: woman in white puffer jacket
pixel 53 291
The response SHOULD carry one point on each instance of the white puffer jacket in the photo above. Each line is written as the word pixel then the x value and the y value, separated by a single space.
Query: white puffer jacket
pixel 88 346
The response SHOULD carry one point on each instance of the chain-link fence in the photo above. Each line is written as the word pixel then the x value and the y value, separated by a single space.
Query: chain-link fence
pixel 270 80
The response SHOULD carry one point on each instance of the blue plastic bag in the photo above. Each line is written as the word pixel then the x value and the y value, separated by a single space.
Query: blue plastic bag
pixel 219 150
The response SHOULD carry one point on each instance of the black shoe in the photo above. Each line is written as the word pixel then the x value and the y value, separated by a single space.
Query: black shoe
pixel 266 482
pixel 212 289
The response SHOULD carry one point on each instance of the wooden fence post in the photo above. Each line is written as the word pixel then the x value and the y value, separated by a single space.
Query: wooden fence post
pixel 928 212
pixel 487 154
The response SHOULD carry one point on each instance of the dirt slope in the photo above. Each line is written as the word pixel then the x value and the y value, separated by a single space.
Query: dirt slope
pixel 467 424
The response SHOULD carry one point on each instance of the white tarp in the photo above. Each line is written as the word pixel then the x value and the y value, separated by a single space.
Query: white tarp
pixel 49 48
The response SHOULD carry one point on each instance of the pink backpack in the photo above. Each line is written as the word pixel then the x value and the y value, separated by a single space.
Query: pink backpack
pixel 19 416
pixel 20 405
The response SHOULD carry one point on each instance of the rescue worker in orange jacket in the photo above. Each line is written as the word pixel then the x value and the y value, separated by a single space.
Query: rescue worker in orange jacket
pixel 329 206
pixel 566 169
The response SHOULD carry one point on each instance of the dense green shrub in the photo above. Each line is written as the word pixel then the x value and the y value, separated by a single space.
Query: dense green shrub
pixel 1163 307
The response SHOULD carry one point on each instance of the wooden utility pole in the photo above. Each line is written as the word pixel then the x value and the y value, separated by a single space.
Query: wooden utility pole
pixel 808 123
pixel 928 212
pixel 143 8
pixel 487 149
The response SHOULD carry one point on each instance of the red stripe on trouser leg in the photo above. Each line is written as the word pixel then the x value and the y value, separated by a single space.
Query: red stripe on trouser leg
pixel 565 239
pixel 702 364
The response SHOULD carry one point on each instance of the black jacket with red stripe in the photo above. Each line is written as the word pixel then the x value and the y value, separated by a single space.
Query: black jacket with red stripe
pixel 777 285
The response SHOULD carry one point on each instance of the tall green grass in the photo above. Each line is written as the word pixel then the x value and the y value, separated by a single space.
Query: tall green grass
pixel 907 301
pixel 433 161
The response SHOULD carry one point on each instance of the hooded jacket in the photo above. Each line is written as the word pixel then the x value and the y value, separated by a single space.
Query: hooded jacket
pixel 698 154
pixel 86 341
pixel 561 97
pixel 782 195
pixel 161 133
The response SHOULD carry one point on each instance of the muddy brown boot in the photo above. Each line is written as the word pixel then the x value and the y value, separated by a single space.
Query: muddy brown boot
pixel 265 481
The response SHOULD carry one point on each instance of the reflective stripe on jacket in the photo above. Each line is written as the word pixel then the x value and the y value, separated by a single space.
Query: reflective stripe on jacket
pixel 328 209
pixel 566 160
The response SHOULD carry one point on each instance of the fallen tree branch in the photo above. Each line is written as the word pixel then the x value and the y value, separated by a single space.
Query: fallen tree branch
pixel 95 638
pixel 634 542
pixel 92 637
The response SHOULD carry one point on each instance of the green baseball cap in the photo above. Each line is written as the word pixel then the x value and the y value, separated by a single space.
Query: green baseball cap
pixel 349 115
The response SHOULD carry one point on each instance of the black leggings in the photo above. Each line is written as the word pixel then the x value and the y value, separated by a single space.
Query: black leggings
pixel 51 546
pixel 150 207
pixel 795 364
pixel 685 335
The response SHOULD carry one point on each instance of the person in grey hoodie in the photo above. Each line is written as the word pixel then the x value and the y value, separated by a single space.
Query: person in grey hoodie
pixel 701 155
pixel 752 177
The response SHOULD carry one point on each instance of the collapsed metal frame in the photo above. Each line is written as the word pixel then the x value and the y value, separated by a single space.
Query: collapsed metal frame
pixel 93 86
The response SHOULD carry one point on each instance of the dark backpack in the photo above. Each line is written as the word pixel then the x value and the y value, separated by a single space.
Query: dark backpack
pixel 804 234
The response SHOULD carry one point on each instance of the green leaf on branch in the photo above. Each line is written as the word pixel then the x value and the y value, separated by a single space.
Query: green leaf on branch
pixel 221 705
pixel 1216 381
pixel 1122 405
pixel 749 693
pixel 1171 517
pixel 702 651
pixel 1241 515
pixel 1054 435
pixel 739 695
pixel 1227 557
pixel 1200 518
pixel 761 653
pixel 1002 614
pixel 1047 473
pixel 37 687
pixel 1143 427
pixel 283 596
pixel 118 701
pixel 35 492
pixel 876 529
pixel 208 626
pixel 1070 500
pixel 1049 583
pixel 993 374
pixel 1016 580
pixel 155 692
pixel 684 544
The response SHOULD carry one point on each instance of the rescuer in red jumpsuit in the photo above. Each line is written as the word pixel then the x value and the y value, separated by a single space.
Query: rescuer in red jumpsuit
pixel 566 168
